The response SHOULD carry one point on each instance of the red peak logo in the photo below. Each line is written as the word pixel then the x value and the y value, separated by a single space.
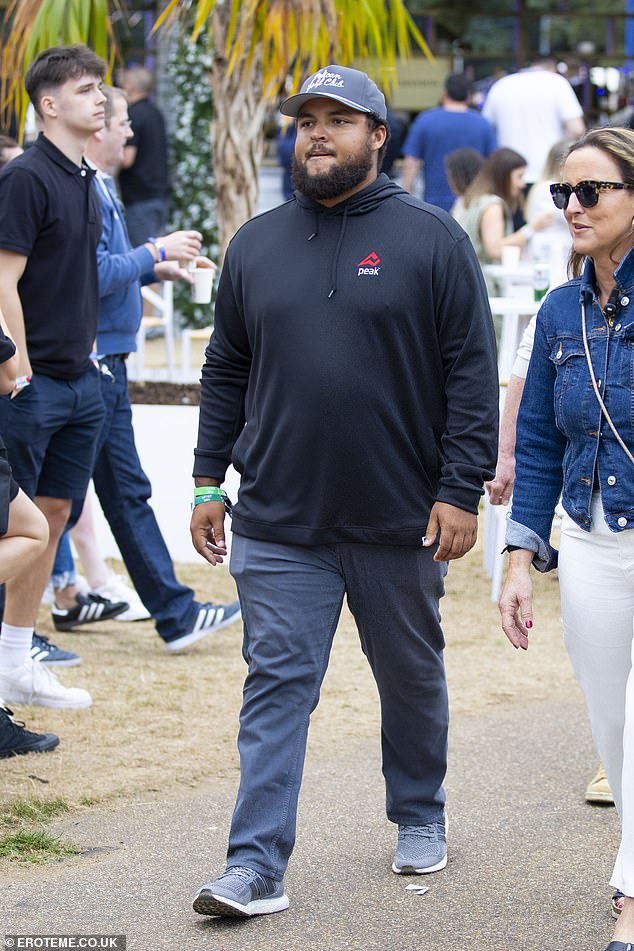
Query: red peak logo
pixel 369 267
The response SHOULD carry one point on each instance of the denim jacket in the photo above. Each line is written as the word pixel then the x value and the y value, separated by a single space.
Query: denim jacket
pixel 562 435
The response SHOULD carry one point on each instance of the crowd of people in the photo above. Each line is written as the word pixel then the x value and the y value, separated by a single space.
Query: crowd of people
pixel 390 358
pixel 65 250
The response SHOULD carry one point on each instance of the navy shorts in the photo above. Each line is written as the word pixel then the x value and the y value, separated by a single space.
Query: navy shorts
pixel 51 431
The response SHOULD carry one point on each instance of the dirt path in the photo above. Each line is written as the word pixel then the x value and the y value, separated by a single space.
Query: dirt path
pixel 149 775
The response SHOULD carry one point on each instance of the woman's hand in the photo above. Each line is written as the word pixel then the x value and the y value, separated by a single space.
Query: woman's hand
pixel 516 600
pixel 500 489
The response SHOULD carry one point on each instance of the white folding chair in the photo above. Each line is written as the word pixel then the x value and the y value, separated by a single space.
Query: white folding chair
pixel 515 313
pixel 189 334
pixel 162 303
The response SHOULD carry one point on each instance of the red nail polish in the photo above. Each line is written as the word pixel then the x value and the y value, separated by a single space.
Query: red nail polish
pixel 528 623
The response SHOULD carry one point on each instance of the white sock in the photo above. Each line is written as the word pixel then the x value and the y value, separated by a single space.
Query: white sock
pixel 15 646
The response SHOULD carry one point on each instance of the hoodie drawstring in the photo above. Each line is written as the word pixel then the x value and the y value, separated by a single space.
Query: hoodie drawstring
pixel 359 204
pixel 316 231
pixel 335 259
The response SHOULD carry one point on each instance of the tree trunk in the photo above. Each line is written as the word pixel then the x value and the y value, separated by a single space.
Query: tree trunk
pixel 236 133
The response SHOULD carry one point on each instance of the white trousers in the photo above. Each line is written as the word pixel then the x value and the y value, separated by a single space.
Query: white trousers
pixel 596 575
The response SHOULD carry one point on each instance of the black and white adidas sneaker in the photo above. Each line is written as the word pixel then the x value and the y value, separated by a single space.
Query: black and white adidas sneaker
pixel 211 617
pixel 89 608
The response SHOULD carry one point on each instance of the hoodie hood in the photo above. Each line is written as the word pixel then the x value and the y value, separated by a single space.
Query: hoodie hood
pixel 360 203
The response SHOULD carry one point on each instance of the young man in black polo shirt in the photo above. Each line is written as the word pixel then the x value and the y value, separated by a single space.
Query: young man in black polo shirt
pixel 49 230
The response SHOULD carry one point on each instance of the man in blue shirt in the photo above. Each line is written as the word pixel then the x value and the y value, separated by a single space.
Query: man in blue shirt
pixel 122 487
pixel 436 133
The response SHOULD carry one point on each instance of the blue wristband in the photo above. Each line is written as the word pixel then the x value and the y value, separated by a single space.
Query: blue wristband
pixel 160 249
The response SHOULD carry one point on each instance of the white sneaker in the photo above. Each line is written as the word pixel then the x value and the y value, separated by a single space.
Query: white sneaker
pixel 117 588
pixel 49 592
pixel 35 685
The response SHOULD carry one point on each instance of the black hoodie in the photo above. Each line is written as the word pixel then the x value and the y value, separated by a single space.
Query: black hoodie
pixel 351 376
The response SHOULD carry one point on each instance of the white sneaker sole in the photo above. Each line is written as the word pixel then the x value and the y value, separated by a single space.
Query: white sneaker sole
pixel 206 903
pixel 53 703
pixel 410 870
pixel 77 701
pixel 600 797
pixel 134 614
pixel 60 663
pixel 188 639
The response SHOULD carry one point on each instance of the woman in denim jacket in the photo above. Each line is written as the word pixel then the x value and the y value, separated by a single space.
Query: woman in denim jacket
pixel 566 445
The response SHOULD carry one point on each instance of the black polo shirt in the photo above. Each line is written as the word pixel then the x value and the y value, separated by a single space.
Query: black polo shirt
pixel 49 212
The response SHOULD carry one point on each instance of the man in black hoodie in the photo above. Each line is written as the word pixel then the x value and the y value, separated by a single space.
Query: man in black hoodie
pixel 351 379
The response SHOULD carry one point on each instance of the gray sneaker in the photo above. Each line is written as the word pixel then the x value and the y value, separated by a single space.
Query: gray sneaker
pixel 420 849
pixel 241 892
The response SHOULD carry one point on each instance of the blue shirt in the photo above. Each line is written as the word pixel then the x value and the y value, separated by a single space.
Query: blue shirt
pixel 563 439
pixel 435 134
pixel 122 270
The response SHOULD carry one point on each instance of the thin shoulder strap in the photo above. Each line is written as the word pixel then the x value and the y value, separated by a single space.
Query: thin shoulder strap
pixel 596 388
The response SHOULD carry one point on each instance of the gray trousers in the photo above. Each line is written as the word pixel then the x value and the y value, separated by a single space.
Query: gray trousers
pixel 291 599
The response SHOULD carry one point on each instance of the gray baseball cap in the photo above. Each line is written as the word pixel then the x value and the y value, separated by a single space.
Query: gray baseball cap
pixel 349 86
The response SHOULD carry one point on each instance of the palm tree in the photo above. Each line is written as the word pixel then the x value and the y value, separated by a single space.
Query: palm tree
pixel 31 26
pixel 256 44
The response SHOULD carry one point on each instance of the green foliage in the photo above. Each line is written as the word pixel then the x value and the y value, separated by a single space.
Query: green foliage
pixel 193 196
pixel 298 36
pixel 32 810
pixel 30 27
pixel 34 846
pixel 26 843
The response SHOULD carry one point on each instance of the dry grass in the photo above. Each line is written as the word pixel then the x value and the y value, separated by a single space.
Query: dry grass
pixel 163 722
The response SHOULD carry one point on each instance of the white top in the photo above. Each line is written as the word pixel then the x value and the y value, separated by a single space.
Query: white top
pixel 525 349
pixel 529 110
pixel 538 201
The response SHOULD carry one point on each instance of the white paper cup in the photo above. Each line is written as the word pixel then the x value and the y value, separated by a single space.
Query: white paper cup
pixel 510 256
pixel 203 282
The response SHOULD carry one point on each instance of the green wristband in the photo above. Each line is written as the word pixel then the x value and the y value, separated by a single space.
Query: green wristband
pixel 210 493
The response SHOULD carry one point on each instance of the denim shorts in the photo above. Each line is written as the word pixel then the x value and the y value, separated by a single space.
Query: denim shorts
pixel 51 430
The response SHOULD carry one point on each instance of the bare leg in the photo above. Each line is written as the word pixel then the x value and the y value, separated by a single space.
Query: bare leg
pixel 30 681
pixel 25 540
pixel 24 593
pixel 85 540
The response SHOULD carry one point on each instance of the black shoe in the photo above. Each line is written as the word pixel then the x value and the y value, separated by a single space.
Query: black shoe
pixel 89 608
pixel 15 739
pixel 620 946
pixel 50 654
pixel 210 618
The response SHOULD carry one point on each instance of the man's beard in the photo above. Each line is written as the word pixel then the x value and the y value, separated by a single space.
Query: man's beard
pixel 335 182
